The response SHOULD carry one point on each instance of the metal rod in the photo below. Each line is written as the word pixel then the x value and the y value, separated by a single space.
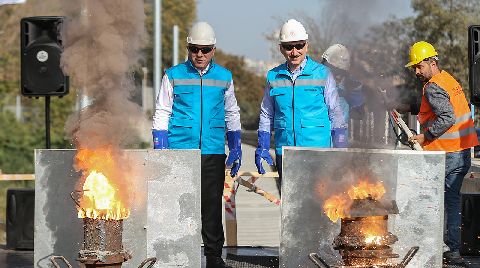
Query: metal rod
pixel 52 259
pixel 318 261
pixel 408 257
pixel 75 200
pixel 175 45
pixel 47 121
pixel 157 55
pixel 152 261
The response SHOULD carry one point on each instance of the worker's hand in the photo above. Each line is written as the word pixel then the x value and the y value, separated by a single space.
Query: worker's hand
pixel 160 139
pixel 263 151
pixel 419 138
pixel 234 160
pixel 339 138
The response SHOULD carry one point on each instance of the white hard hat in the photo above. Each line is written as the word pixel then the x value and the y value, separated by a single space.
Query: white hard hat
pixel 338 56
pixel 292 30
pixel 201 33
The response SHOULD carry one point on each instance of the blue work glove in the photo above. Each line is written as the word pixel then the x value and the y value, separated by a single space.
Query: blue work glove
pixel 160 139
pixel 263 151
pixel 339 138
pixel 234 159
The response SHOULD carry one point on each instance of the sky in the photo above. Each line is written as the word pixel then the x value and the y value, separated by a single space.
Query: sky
pixel 241 26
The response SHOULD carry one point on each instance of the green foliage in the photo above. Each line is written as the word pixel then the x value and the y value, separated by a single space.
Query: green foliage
pixel 248 88
pixel 181 13
pixel 444 24
pixel 17 140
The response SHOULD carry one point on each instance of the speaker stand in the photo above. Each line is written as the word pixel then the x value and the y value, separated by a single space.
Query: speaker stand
pixel 47 121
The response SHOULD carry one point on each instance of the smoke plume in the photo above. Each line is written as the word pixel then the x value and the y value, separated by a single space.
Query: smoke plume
pixel 102 40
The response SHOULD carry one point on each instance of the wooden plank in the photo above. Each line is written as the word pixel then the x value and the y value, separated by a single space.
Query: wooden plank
pixel 229 193
pixel 17 177
pixel 257 175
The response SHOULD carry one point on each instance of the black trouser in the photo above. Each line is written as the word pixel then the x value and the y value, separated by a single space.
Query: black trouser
pixel 278 162
pixel 213 177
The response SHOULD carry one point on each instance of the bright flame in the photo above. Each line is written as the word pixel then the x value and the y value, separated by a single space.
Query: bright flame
pixel 373 230
pixel 364 190
pixel 374 240
pixel 338 206
pixel 100 200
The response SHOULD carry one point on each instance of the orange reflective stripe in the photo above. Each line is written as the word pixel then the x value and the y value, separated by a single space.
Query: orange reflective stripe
pixel 462 134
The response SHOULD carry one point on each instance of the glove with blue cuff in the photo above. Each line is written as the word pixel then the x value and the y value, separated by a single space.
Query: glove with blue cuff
pixel 263 151
pixel 234 159
pixel 339 138
pixel 160 139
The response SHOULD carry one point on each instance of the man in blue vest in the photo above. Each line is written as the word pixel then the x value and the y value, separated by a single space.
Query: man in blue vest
pixel 195 106
pixel 300 102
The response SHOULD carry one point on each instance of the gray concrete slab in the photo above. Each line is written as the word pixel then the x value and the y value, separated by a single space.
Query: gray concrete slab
pixel 415 180
pixel 165 217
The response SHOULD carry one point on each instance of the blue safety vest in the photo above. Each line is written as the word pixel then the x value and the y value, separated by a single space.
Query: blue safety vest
pixel 198 112
pixel 301 115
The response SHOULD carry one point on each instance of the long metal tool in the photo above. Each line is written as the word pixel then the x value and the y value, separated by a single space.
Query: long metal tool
pixel 397 119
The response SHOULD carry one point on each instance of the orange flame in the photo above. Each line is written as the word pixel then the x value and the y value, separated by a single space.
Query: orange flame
pixel 365 190
pixel 101 199
pixel 338 206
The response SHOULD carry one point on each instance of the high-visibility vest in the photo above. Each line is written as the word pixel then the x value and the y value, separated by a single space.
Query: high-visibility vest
pixel 198 111
pixel 301 115
pixel 462 134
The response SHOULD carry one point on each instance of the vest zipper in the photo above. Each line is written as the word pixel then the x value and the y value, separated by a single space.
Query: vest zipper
pixel 201 113
pixel 293 113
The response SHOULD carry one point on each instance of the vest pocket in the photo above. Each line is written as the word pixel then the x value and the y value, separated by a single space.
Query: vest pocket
pixel 216 135
pixel 280 95
pixel 278 91
pixel 280 135
pixel 183 95
pixel 180 133
pixel 315 132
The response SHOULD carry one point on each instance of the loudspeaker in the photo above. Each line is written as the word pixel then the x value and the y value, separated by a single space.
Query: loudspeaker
pixel 20 215
pixel 474 63
pixel 41 49
pixel 470 224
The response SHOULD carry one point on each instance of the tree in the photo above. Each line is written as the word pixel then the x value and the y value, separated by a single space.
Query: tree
pixel 444 24
pixel 248 88
pixel 181 13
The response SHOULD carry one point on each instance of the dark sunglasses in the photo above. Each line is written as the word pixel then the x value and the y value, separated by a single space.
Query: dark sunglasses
pixel 204 50
pixel 289 47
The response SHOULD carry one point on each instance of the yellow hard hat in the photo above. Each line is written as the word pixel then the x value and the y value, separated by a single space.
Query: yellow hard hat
pixel 420 51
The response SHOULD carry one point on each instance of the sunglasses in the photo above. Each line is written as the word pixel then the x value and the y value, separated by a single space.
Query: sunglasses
pixel 289 47
pixel 204 50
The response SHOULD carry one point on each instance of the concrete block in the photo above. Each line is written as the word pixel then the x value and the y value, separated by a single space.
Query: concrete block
pixel 165 217
pixel 415 180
